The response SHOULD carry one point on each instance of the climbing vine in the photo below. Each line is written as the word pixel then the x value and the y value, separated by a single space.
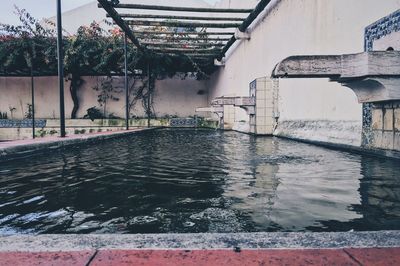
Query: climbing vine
pixel 92 51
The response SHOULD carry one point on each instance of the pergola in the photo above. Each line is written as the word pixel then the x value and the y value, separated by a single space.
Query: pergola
pixel 207 38
pixel 203 39
pixel 202 34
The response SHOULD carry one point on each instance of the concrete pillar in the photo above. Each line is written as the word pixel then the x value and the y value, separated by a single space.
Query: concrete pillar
pixel 229 117
pixel 264 121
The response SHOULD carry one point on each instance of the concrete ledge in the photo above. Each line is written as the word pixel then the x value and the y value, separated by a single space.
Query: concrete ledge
pixel 348 148
pixel 53 243
pixel 20 148
pixel 357 257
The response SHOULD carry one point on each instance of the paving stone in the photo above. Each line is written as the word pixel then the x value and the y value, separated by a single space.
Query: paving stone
pixel 376 256
pixel 45 258
pixel 223 257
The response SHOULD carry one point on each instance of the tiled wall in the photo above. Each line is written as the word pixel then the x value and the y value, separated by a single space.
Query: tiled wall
pixel 386 126
pixel 265 105
pixel 381 126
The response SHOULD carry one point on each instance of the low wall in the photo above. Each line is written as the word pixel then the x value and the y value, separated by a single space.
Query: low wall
pixel 173 97
pixel 85 126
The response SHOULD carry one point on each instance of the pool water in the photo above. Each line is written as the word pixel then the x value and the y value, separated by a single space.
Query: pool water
pixel 179 181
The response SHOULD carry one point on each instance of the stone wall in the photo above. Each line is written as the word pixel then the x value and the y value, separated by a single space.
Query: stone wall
pixel 386 126
pixel 381 126
pixel 173 97
pixel 308 109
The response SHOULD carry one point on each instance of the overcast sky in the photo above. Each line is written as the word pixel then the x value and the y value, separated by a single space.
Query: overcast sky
pixel 39 8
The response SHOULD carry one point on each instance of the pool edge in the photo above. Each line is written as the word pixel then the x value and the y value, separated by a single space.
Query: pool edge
pixel 204 241
pixel 20 149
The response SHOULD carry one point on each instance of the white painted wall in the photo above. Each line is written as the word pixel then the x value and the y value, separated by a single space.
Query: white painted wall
pixel 172 97
pixel 303 27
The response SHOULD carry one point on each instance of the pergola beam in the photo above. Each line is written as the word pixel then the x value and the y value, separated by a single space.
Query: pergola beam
pixel 184 9
pixel 187 50
pixel 180 44
pixel 183 33
pixel 181 24
pixel 191 55
pixel 120 22
pixel 147 16
pixel 246 23
pixel 177 38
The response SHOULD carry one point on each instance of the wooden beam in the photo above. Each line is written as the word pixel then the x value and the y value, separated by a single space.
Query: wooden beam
pixel 187 50
pixel 184 9
pixel 191 55
pixel 183 33
pixel 180 44
pixel 182 24
pixel 246 23
pixel 121 23
pixel 178 38
pixel 169 17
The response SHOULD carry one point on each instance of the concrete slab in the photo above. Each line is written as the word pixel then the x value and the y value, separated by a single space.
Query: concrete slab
pixel 46 258
pixel 376 256
pixel 223 257
pixel 372 256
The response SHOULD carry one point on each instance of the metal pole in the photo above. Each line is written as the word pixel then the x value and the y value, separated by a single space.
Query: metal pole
pixel 148 98
pixel 60 69
pixel 126 82
pixel 33 100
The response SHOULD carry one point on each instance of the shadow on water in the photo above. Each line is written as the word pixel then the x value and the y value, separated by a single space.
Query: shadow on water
pixel 198 181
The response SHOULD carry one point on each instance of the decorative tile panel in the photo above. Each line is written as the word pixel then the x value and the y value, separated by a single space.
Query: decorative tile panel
pixel 381 28
pixel 184 122
pixel 373 32
pixel 26 123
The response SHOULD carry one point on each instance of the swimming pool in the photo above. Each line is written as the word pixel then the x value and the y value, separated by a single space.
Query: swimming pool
pixel 180 181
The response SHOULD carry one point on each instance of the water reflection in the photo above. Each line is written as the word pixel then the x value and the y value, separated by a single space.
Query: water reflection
pixel 198 181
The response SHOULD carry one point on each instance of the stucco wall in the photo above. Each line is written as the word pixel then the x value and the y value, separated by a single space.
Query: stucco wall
pixel 311 109
pixel 172 97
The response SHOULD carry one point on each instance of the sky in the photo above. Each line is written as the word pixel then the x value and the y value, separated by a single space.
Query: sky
pixel 39 8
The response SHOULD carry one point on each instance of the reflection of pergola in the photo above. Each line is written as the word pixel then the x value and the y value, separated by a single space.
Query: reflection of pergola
pixel 216 35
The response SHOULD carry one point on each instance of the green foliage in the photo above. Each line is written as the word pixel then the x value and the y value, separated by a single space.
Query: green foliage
pixel 93 113
pixel 31 48
pixel 27 45
pixel 107 92
pixel 3 115
pixel 41 133
pixel 91 51
pixel 29 111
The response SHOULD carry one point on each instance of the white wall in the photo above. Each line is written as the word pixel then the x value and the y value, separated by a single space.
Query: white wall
pixel 300 27
pixel 172 97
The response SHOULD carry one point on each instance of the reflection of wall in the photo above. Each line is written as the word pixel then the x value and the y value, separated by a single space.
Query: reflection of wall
pixel 172 97
pixel 380 193
pixel 254 183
